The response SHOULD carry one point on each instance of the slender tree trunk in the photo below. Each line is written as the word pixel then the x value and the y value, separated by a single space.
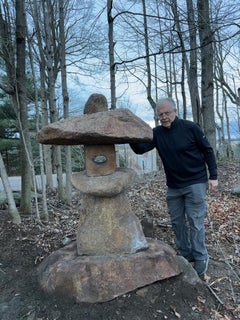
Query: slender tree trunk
pixel 148 65
pixel 41 161
pixel 229 145
pixel 193 71
pixel 65 99
pixel 220 129
pixel 237 92
pixel 47 149
pixel 12 209
pixel 167 68
pixel 111 54
pixel 184 55
pixel 168 64
pixel 206 41
pixel 149 73
pixel 21 106
pixel 156 120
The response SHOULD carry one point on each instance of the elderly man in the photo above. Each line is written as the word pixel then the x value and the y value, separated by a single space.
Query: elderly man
pixel 185 152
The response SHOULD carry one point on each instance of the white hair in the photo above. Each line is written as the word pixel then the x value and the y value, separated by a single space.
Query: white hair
pixel 170 100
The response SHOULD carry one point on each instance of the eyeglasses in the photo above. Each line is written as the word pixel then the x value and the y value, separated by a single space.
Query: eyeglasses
pixel 166 114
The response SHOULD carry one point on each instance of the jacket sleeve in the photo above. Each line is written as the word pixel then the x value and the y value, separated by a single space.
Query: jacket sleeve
pixel 140 148
pixel 207 152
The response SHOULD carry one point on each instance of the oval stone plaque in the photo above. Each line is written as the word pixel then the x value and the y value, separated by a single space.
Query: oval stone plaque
pixel 99 159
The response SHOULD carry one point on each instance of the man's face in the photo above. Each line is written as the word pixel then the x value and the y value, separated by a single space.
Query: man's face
pixel 166 114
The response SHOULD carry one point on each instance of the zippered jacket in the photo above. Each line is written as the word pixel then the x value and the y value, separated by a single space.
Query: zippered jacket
pixel 184 151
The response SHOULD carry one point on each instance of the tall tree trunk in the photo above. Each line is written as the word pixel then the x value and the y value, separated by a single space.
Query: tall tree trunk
pixel 206 42
pixel 111 54
pixel 65 98
pixel 193 71
pixel 21 106
pixel 41 161
pixel 149 73
pixel 185 63
pixel 169 65
pixel 148 65
pixel 167 68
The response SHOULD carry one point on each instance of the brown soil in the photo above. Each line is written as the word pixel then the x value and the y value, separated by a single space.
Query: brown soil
pixel 24 247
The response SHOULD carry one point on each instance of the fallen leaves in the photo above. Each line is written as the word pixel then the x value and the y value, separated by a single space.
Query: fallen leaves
pixel 222 228
pixel 147 198
pixel 224 220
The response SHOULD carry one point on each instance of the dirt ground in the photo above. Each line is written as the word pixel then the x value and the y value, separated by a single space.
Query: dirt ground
pixel 24 247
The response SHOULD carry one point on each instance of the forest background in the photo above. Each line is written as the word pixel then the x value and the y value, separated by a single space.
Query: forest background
pixel 54 54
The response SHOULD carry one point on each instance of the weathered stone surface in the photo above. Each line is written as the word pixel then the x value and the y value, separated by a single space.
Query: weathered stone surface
pixel 104 186
pixel 108 226
pixel 111 255
pixel 100 160
pixel 106 127
pixel 95 103
pixel 189 273
pixel 103 278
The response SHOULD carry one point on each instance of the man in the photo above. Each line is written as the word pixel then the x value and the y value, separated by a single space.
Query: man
pixel 185 152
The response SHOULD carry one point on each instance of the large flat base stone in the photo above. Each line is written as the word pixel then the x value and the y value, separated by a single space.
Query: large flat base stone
pixel 103 278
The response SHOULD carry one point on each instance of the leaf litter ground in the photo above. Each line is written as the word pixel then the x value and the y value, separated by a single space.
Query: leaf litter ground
pixel 24 247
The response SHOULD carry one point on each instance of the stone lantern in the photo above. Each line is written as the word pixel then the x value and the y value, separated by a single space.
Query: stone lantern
pixel 111 255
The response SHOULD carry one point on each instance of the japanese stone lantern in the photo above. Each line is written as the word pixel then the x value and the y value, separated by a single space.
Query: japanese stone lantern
pixel 111 255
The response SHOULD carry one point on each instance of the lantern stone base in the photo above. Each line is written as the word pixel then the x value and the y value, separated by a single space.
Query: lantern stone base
pixel 107 224
pixel 102 278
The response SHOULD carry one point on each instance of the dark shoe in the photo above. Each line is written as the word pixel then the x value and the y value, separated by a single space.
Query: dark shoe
pixel 189 258
pixel 201 266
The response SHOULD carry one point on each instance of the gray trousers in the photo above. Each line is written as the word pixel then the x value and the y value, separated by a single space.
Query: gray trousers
pixel 187 209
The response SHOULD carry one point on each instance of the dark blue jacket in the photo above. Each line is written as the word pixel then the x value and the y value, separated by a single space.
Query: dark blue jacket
pixel 184 150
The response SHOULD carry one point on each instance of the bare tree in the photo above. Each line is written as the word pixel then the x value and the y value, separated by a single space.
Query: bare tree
pixel 49 62
pixel 60 39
